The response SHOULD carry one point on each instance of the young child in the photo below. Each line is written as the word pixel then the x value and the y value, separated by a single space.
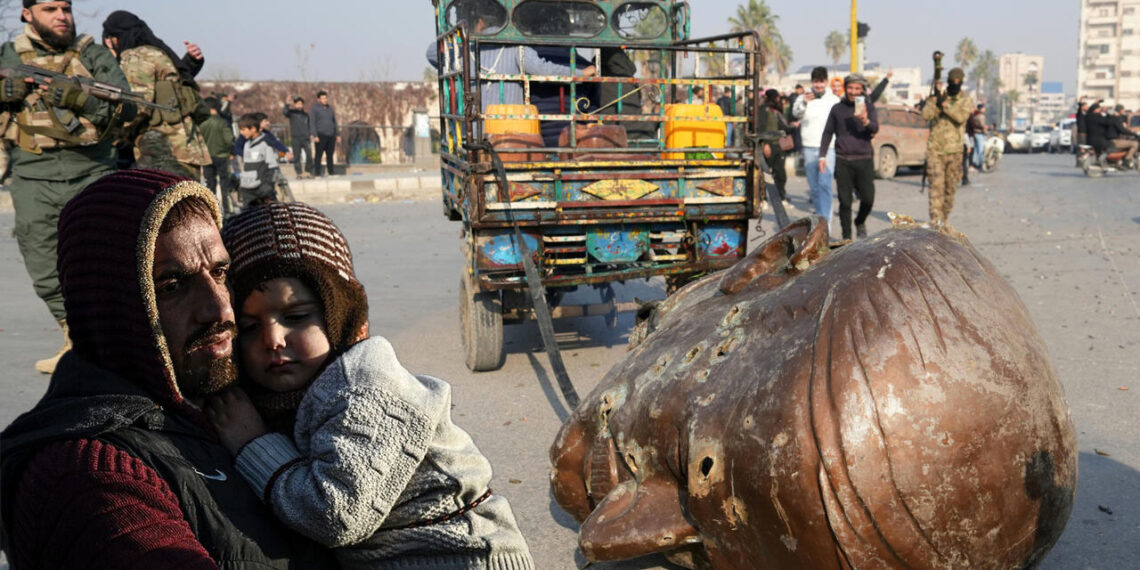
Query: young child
pixel 259 163
pixel 264 124
pixel 375 468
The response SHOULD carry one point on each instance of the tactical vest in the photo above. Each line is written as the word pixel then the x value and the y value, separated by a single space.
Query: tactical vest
pixel 169 90
pixel 227 518
pixel 38 126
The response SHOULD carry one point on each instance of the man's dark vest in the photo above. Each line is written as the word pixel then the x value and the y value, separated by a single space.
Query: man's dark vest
pixel 223 512
pixel 231 522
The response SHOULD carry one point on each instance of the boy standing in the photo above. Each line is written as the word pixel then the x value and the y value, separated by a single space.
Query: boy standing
pixel 259 163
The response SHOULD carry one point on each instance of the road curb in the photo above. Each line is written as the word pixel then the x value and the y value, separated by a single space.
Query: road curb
pixel 418 187
pixel 342 190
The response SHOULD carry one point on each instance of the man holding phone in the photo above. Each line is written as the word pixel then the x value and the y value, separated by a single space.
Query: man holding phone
pixel 853 123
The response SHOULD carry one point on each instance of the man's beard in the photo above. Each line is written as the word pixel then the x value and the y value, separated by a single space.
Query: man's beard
pixel 217 375
pixel 819 93
pixel 56 41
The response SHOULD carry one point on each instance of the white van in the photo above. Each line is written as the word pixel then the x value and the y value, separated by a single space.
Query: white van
pixel 1062 136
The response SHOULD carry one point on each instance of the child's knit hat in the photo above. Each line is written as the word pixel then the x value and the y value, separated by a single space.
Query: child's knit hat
pixel 296 240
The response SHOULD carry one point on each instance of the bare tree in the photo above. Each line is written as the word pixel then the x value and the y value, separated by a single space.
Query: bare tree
pixel 221 72
pixel 303 56
pixel 10 24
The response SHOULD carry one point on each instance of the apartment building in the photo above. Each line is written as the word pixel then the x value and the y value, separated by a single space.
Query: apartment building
pixel 1013 68
pixel 1109 51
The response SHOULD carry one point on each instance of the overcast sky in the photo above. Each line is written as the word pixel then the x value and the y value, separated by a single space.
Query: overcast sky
pixel 353 40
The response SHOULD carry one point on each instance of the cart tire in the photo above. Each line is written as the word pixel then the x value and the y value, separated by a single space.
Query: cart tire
pixel 481 326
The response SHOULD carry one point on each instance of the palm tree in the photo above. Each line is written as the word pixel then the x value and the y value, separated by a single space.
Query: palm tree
pixel 783 59
pixel 985 72
pixel 1011 98
pixel 1030 82
pixel 1030 79
pixel 757 16
pixel 967 52
pixel 836 45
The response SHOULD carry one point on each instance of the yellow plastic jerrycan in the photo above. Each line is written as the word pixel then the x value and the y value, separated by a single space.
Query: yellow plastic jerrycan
pixel 681 131
pixel 512 126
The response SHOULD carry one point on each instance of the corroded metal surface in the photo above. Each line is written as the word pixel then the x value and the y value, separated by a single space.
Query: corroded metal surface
pixel 888 404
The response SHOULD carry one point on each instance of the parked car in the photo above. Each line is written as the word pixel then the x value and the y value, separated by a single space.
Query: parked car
pixel 1017 141
pixel 1062 136
pixel 1134 123
pixel 901 140
pixel 1039 137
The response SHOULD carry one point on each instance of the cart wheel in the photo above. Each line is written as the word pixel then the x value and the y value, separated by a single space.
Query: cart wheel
pixel 481 326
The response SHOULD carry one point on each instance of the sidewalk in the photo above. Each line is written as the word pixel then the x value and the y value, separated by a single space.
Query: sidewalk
pixel 362 183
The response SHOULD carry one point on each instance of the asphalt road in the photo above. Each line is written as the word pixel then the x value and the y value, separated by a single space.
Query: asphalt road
pixel 1068 244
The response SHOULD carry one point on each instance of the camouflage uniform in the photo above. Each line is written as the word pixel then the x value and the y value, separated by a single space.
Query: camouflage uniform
pixel 146 67
pixel 47 172
pixel 944 151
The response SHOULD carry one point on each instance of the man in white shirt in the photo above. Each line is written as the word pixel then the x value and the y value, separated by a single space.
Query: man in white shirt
pixel 811 110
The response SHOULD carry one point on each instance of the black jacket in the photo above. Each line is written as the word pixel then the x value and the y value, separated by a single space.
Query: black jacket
pixel 298 123
pixel 852 138
pixel 1102 128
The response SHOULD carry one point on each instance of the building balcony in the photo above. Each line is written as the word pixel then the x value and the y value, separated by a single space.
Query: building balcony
pixel 1101 20
pixel 1100 3
pixel 1099 82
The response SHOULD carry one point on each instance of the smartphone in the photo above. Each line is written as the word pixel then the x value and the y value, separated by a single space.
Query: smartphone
pixel 860 105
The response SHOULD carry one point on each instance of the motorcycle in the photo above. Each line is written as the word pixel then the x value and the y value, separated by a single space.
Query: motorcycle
pixel 994 149
pixel 1096 165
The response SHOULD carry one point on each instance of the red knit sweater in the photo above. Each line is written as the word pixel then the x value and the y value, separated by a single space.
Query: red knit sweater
pixel 85 504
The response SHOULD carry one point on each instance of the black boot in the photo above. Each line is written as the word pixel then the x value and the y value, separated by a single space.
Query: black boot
pixel 860 231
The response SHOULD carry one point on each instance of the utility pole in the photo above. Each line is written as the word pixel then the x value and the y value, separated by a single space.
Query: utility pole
pixel 855 55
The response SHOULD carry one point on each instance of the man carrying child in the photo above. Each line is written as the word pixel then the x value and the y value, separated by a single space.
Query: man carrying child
pixel 364 457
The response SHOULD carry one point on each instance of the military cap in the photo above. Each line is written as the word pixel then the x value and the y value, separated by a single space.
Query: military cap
pixel 30 3
pixel 855 78
pixel 957 74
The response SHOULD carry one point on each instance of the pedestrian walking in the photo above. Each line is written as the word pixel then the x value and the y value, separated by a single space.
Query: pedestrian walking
pixel 812 110
pixel 948 112
pixel 51 162
pixel 853 123
pixel 976 130
pixel 772 119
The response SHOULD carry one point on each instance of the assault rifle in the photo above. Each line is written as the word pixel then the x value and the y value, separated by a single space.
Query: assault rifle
pixel 935 91
pixel 96 89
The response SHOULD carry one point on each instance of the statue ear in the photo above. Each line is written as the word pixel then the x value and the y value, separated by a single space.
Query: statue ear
pixel 788 253
pixel 637 519
pixel 361 334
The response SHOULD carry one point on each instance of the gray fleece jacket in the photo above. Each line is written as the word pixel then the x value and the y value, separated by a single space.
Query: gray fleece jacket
pixel 375 452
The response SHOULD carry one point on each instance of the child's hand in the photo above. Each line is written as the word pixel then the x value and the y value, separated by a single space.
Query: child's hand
pixel 235 419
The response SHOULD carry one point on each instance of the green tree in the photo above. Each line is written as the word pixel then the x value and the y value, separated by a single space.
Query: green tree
pixel 985 74
pixel 757 16
pixel 1030 80
pixel 836 45
pixel 1011 98
pixel 966 53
